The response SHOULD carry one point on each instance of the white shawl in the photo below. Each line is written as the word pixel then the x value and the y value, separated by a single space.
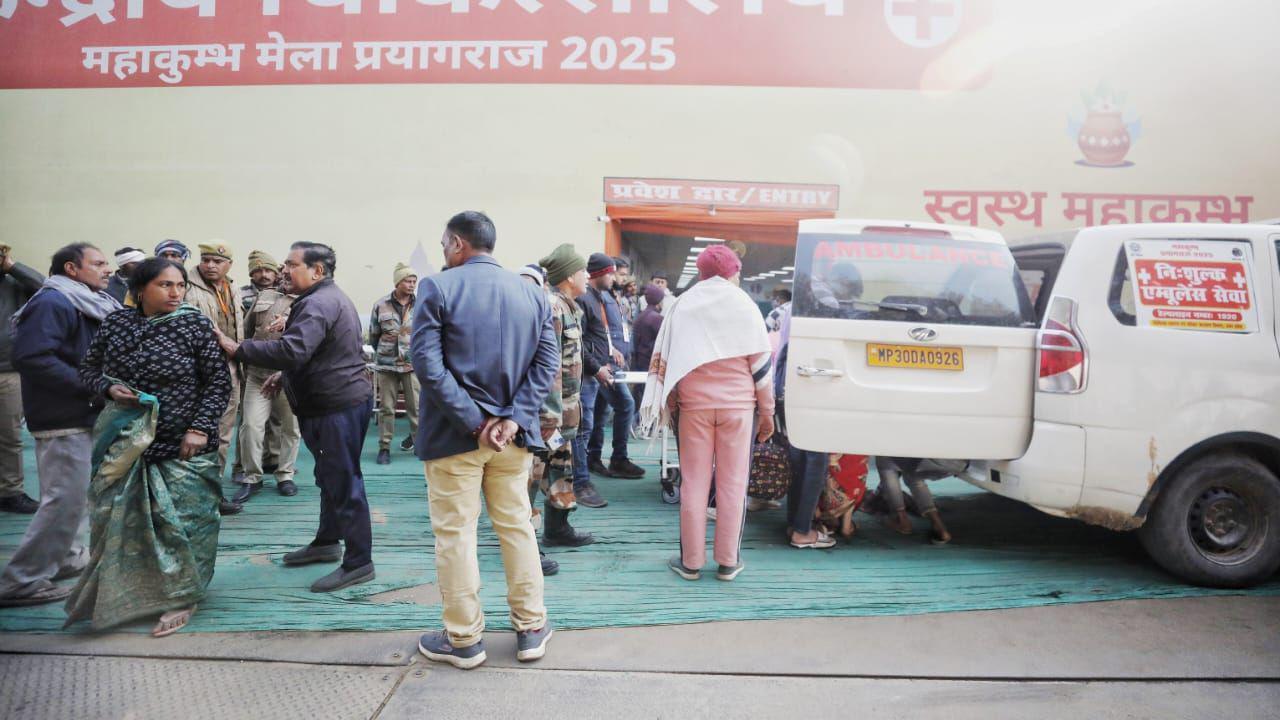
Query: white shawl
pixel 714 320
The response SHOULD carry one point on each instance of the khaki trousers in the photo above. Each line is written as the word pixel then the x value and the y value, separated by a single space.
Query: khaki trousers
pixel 227 426
pixel 390 385
pixel 255 416
pixel 454 486
pixel 11 477
pixel 271 446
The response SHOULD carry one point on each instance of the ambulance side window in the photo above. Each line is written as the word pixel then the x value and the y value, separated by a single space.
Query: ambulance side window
pixel 1120 297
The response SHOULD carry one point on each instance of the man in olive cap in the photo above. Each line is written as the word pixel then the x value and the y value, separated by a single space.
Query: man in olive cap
pixel 390 334
pixel 264 273
pixel 269 434
pixel 562 410
pixel 212 293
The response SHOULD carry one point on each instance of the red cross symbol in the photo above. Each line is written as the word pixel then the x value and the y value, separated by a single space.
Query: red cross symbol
pixel 924 11
pixel 1239 280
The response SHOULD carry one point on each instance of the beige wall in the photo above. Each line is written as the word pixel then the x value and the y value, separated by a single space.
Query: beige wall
pixel 374 170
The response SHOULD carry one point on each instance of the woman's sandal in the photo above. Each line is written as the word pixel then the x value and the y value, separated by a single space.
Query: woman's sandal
pixel 821 542
pixel 172 621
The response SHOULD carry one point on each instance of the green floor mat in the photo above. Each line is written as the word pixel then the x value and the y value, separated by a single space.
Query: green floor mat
pixel 1004 555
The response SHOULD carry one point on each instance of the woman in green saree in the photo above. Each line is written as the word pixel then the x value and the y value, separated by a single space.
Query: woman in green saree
pixel 154 495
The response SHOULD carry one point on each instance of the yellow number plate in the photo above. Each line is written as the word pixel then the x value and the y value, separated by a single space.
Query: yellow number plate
pixel 915 357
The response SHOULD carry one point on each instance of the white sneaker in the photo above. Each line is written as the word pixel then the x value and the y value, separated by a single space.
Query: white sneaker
pixel 711 513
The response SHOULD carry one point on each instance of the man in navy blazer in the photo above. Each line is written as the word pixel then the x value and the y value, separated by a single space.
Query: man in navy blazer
pixel 485 351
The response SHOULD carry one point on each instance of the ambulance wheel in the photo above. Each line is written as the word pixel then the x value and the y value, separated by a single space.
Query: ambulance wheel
pixel 1217 523
pixel 671 487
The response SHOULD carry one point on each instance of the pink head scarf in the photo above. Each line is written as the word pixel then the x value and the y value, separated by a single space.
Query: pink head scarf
pixel 718 261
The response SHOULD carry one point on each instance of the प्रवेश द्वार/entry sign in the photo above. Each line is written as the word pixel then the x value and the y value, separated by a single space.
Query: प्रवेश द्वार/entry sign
pixel 1193 284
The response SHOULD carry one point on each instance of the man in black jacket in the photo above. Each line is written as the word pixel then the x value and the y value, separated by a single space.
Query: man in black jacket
pixel 52 332
pixel 618 397
pixel 599 359
pixel 324 377
pixel 17 284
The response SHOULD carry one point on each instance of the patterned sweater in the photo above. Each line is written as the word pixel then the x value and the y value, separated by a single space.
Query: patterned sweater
pixel 175 358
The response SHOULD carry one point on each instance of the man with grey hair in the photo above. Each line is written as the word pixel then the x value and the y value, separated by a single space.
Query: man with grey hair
pixel 52 332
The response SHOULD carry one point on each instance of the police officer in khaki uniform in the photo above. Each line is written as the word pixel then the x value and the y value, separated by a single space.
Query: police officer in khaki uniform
pixel 264 274
pixel 390 332
pixel 212 293
pixel 265 321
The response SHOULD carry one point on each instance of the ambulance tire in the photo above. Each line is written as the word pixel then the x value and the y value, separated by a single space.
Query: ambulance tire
pixel 1217 524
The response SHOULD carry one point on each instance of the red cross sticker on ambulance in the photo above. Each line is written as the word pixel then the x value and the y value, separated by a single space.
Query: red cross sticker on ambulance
pixel 923 23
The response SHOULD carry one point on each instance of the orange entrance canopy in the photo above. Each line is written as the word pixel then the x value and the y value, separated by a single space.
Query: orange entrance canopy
pixel 772 227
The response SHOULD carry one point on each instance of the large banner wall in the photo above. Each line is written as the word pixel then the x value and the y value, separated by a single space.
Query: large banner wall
pixel 366 123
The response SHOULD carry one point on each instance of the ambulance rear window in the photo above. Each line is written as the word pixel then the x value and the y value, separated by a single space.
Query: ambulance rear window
pixel 909 278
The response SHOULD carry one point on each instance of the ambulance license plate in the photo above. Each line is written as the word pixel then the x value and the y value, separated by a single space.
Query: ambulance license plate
pixel 915 357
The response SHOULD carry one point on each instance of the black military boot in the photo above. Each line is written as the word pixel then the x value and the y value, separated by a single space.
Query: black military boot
pixel 556 529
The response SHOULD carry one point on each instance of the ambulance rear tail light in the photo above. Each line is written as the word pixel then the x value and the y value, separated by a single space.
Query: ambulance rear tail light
pixel 1063 355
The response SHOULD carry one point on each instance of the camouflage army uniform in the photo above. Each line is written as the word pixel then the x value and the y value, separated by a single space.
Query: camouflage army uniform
pixel 553 474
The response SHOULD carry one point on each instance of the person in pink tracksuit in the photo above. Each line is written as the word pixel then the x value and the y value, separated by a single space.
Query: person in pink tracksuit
pixel 712 367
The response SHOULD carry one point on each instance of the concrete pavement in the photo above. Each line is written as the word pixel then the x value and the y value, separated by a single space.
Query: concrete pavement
pixel 1185 658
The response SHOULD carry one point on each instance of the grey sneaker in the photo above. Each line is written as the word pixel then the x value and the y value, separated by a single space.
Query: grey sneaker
pixel 677 567
pixel 436 646
pixel 343 578
pixel 314 554
pixel 532 644
pixel 729 572
pixel 588 496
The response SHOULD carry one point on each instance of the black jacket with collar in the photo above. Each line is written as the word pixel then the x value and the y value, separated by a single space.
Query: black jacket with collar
pixel 321 353
pixel 595 337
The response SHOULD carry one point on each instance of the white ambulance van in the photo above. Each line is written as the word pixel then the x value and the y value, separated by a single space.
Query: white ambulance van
pixel 1127 377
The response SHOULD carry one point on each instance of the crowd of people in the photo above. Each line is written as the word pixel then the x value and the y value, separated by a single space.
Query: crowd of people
pixel 133 383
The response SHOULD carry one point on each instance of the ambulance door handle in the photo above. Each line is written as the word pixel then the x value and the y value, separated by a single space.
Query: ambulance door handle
pixel 806 371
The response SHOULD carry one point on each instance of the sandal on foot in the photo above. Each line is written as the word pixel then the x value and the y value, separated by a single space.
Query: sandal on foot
pixel 172 621
pixel 821 542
